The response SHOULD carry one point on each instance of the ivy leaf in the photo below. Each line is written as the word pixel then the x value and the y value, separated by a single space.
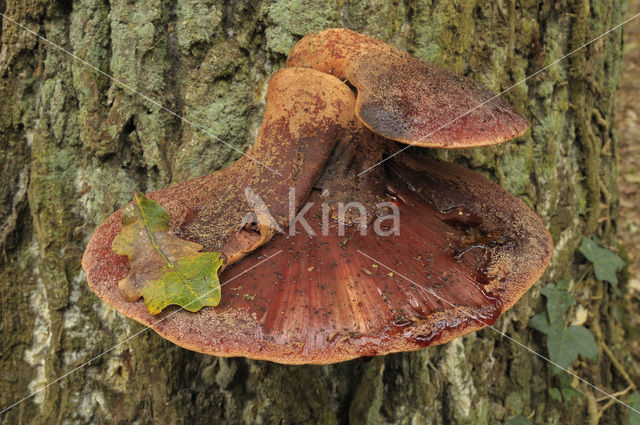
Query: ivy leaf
pixel 518 420
pixel 540 322
pixel 605 262
pixel 563 283
pixel 634 401
pixel 565 345
pixel 555 394
pixel 568 392
pixel 557 301
pixel 164 269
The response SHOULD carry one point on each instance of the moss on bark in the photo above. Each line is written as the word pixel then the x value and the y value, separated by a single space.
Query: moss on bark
pixel 83 142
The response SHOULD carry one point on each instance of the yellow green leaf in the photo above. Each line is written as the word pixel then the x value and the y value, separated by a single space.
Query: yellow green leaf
pixel 193 283
pixel 164 269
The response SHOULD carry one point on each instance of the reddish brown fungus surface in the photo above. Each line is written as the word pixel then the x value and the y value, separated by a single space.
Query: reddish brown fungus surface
pixel 405 99
pixel 467 250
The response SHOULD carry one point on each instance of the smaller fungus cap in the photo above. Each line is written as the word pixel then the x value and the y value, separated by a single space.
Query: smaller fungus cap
pixel 403 98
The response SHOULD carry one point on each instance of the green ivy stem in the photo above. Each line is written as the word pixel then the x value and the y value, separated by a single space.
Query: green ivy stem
pixel 584 274
pixel 592 408
pixel 618 394
pixel 595 413
pixel 619 367
pixel 614 361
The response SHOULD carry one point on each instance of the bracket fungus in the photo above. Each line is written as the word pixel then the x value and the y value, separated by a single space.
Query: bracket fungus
pixel 325 263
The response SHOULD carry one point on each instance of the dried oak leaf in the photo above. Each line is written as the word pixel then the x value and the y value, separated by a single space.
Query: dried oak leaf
pixel 164 269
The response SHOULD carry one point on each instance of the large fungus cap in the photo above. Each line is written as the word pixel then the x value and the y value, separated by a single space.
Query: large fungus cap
pixel 466 251
pixel 403 98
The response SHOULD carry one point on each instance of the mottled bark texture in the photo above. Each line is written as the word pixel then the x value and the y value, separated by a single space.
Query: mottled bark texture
pixel 74 145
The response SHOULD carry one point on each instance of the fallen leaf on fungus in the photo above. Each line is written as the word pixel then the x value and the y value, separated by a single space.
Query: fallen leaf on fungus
pixel 164 269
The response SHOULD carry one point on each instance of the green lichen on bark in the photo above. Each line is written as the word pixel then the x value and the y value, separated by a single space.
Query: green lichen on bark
pixel 84 141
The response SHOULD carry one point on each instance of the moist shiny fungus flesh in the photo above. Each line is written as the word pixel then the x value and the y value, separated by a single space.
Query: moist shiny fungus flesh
pixel 403 98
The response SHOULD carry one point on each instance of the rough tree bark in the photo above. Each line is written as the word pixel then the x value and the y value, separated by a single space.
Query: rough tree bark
pixel 74 144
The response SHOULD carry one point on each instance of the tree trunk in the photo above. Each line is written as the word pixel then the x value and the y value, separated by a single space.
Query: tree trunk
pixel 74 144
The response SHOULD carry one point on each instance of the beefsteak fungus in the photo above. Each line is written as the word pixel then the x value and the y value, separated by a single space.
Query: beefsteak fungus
pixel 325 262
